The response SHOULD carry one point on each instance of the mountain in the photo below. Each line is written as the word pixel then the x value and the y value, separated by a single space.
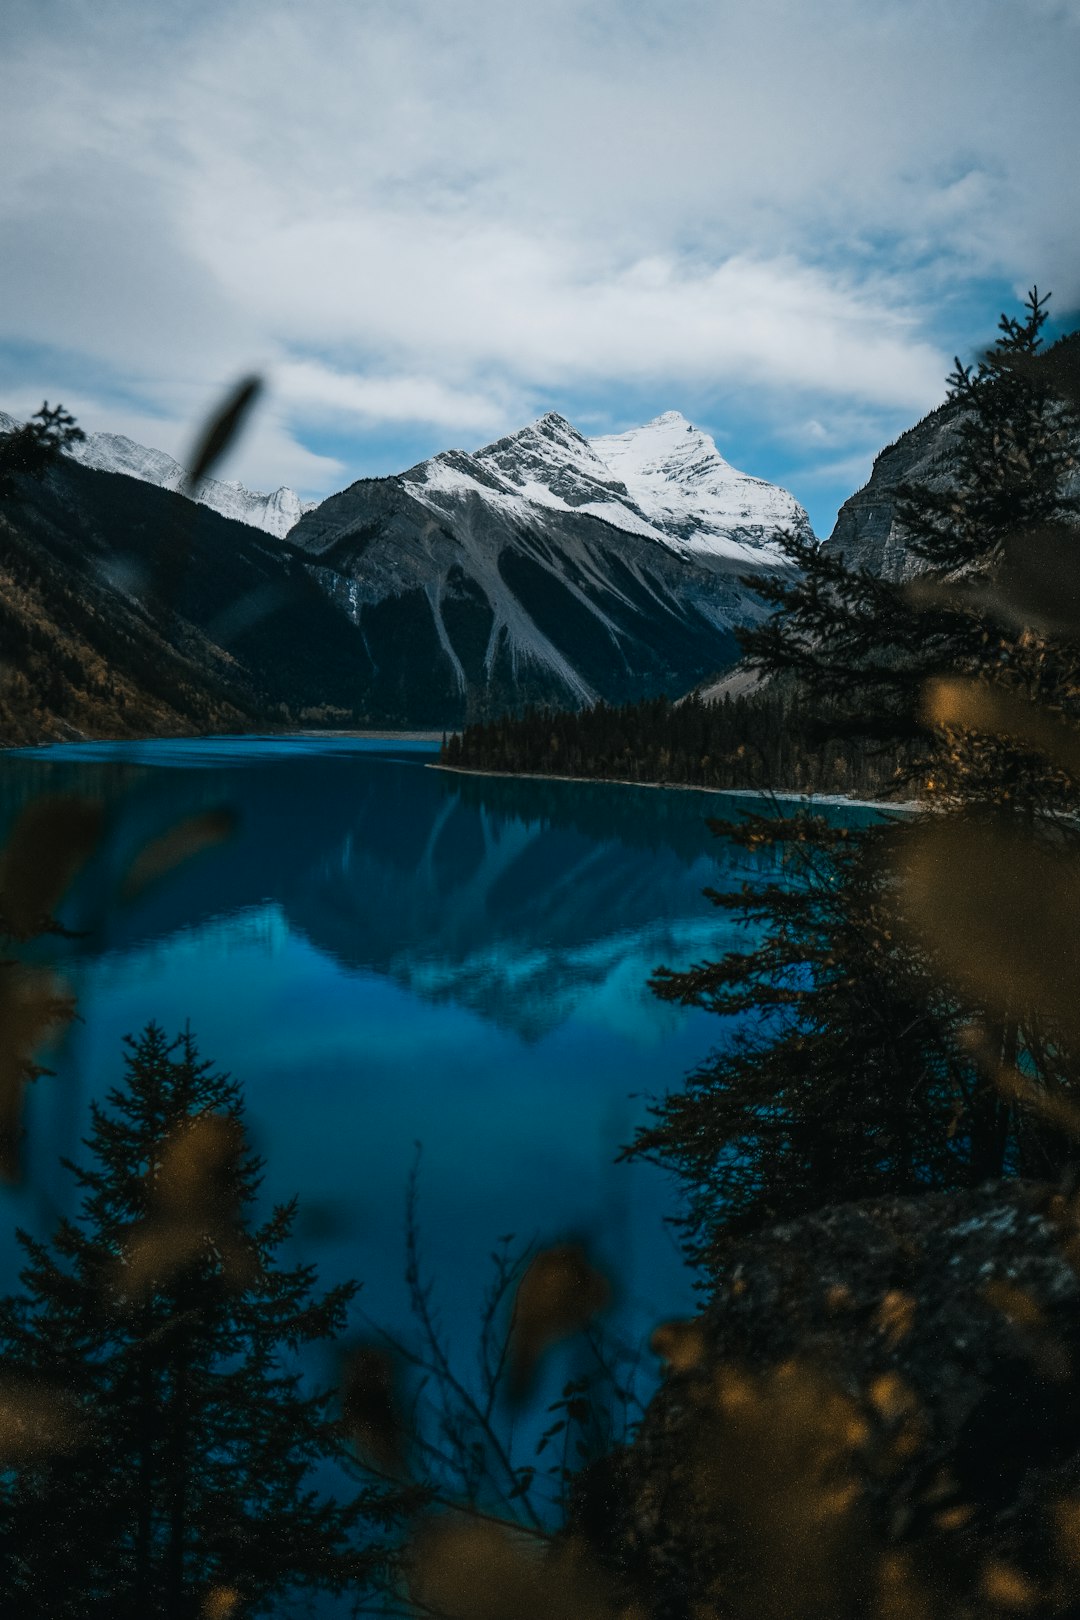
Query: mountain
pixel 111 452
pixel 127 610
pixel 666 480
pixel 866 533
pixel 543 568
pixel 548 567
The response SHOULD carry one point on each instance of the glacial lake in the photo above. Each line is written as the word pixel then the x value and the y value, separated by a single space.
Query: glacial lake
pixel 387 954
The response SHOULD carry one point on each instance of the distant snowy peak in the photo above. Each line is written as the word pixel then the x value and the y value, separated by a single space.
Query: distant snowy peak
pixel 275 513
pixel 665 481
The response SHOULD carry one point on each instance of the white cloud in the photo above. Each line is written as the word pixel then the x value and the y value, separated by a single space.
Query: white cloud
pixel 431 214
pixel 313 390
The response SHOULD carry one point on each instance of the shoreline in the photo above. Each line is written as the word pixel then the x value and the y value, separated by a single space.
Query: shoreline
pixel 903 806
pixel 375 736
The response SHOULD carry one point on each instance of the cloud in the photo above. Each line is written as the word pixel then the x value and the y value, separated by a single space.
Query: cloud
pixel 312 390
pixel 432 215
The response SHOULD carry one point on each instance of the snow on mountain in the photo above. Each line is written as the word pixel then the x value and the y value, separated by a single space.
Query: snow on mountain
pixel 548 567
pixel 675 475
pixel 665 480
pixel 275 513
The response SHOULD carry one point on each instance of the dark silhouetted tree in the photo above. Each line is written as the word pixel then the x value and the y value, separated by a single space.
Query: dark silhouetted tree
pixel 165 1328
pixel 862 1069
pixel 28 451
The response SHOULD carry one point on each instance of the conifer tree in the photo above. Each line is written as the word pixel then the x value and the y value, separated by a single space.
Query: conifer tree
pixel 847 1078
pixel 28 451
pixel 164 1327
pixel 865 1075
pixel 864 647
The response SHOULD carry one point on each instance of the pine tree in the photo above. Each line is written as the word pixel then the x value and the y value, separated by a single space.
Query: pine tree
pixel 28 451
pixel 163 1325
pixel 864 647
pixel 867 1072
pixel 846 1078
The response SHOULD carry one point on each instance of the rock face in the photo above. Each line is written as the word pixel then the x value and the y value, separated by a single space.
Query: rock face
pixel 866 534
pixel 550 568
pixel 878 1414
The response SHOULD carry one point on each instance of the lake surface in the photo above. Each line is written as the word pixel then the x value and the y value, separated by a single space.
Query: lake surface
pixel 387 954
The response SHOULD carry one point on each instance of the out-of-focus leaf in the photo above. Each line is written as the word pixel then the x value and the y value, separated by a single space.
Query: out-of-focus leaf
pixel 1008 1588
pixel 189 837
pixel 51 840
pixel 681 1344
pixel 1052 1105
pixel 559 1293
pixel 972 706
pixel 999 912
pixel 371 1409
pixel 473 1569
pixel 221 1603
pixel 1056 369
pixel 192 1207
pixel 1035 584
pixel 34 1005
pixel 33 1422
pixel 222 428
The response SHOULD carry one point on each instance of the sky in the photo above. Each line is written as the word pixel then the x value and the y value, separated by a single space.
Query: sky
pixel 425 222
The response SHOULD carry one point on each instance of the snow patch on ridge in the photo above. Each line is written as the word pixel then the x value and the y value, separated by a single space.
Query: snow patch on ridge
pixel 674 474
pixel 665 481
pixel 275 513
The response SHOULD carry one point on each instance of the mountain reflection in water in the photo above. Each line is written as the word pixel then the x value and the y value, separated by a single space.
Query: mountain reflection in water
pixel 386 953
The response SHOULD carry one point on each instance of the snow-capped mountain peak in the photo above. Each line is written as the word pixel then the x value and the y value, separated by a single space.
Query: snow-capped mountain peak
pixel 665 479
pixel 275 513
pixel 677 478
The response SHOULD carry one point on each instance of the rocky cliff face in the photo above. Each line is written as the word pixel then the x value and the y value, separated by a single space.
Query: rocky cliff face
pixel 551 568
pixel 867 534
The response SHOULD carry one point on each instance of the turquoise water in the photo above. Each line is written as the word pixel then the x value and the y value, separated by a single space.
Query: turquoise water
pixel 386 954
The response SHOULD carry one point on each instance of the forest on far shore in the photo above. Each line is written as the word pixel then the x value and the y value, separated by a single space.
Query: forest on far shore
pixel 773 739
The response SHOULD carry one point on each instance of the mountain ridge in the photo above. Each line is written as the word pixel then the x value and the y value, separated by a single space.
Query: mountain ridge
pixel 469 584
pixel 274 513
pixel 531 573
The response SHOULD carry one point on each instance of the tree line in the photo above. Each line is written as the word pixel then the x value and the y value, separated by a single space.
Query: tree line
pixel 776 739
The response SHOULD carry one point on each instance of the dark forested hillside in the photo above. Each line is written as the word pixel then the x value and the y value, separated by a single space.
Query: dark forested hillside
pixel 127 610
pixel 772 739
